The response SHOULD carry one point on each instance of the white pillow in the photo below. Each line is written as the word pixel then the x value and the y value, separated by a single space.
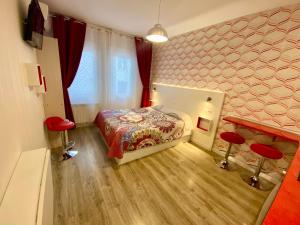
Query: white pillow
pixel 179 115
pixel 157 107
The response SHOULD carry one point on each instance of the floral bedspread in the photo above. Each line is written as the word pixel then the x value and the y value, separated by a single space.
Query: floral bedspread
pixel 129 130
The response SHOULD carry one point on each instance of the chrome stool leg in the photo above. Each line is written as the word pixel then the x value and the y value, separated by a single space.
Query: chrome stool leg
pixel 254 180
pixel 224 163
pixel 67 154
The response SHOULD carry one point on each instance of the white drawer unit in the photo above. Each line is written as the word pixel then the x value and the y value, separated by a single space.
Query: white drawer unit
pixel 28 199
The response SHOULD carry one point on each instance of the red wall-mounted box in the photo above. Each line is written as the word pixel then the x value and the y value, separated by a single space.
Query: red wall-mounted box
pixel 204 124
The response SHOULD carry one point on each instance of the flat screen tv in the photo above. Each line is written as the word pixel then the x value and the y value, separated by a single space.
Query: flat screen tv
pixel 34 25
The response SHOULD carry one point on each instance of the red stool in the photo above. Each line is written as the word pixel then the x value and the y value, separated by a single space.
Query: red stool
pixel 231 138
pixel 265 151
pixel 62 125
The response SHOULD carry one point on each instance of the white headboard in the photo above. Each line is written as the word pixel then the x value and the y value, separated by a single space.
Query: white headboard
pixel 194 102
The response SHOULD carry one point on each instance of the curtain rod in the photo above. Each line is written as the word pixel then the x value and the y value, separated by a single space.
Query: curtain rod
pixel 99 27
pixel 67 17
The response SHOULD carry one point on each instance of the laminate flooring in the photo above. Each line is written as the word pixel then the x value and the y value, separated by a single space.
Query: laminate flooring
pixel 181 185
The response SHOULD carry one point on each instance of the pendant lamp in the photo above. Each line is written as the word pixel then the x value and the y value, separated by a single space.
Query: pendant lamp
pixel 157 33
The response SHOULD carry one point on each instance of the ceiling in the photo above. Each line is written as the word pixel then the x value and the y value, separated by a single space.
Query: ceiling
pixel 137 16
pixel 133 16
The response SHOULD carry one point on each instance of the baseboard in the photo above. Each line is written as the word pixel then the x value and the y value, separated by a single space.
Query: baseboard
pixel 251 169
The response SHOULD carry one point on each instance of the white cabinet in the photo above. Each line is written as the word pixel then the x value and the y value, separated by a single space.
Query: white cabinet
pixel 34 74
pixel 43 88
pixel 48 58
pixel 36 78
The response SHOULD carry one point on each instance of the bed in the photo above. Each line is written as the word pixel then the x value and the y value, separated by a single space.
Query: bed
pixel 134 133
pixel 182 106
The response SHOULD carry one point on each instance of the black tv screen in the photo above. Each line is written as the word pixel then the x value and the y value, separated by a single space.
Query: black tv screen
pixel 34 25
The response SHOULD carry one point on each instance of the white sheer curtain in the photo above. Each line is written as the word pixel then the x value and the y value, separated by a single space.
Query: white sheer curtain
pixel 107 76
pixel 123 82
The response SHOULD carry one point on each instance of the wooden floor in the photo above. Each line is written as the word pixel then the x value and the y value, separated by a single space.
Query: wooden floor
pixel 181 186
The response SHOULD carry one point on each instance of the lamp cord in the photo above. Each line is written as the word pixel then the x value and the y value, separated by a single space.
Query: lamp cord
pixel 158 12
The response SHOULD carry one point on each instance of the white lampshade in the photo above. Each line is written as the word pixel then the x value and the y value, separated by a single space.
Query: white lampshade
pixel 157 34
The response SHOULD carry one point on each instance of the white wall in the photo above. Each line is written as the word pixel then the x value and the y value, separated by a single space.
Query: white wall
pixel 21 110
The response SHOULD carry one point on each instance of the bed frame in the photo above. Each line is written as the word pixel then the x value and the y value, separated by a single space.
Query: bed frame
pixel 191 101
pixel 140 153
pixel 143 152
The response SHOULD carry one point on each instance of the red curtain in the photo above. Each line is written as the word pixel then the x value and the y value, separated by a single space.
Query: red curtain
pixel 70 34
pixel 144 58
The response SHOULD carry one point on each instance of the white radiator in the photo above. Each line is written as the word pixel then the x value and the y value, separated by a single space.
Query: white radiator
pixel 85 113
pixel 28 199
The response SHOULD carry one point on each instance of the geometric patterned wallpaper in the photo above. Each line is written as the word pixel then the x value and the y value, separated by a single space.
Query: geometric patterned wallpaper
pixel 255 59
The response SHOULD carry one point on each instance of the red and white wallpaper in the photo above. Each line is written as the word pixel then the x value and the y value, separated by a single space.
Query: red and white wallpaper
pixel 255 59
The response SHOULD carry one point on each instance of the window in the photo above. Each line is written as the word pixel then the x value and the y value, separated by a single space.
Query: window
pixel 85 87
pixel 108 74
pixel 122 76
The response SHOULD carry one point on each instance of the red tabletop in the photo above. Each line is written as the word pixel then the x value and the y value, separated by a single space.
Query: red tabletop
pixel 286 207
pixel 268 129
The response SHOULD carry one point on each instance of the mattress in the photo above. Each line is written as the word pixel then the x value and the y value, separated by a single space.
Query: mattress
pixel 134 129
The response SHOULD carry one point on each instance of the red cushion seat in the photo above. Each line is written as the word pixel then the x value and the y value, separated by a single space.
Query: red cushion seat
pixel 59 124
pixel 232 137
pixel 266 151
